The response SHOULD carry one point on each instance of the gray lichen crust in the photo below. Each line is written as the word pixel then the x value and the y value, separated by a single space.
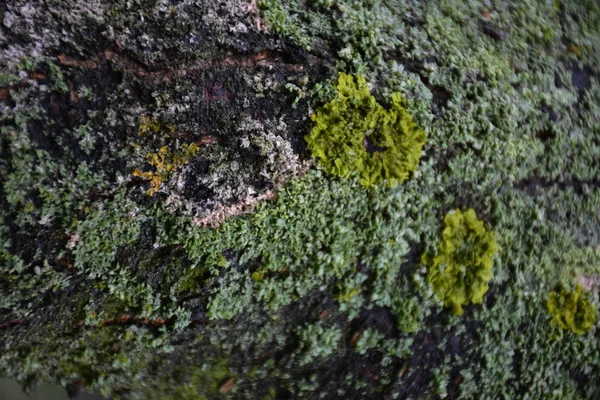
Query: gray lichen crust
pixel 195 73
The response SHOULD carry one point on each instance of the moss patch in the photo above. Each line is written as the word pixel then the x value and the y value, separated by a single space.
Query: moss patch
pixel 320 291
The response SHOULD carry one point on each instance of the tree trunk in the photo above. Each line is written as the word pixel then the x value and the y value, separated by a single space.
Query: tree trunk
pixel 167 233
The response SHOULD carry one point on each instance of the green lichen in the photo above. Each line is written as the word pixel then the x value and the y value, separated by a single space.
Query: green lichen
pixel 317 342
pixel 460 272
pixel 278 18
pixel 348 125
pixel 571 310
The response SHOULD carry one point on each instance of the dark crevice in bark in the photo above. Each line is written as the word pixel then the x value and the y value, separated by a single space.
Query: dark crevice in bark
pixel 533 184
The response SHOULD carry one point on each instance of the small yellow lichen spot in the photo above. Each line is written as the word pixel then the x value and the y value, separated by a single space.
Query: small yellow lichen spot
pixel 574 50
pixel 165 162
pixel 147 124
pixel 258 276
pixel 346 294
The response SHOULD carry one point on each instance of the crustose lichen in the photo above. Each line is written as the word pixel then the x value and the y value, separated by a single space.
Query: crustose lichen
pixel 460 272
pixel 571 310
pixel 164 163
pixel 354 134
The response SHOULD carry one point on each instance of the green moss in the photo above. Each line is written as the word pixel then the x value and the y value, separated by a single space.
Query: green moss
pixel 203 382
pixel 460 272
pixel 346 126
pixel 507 130
pixel 318 342
pixel 279 20
pixel 8 79
pixel 409 313
pixel 192 280
pixel 571 310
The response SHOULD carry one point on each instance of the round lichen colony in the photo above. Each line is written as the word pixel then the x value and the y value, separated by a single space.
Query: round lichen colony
pixel 354 134
pixel 460 272
pixel 571 311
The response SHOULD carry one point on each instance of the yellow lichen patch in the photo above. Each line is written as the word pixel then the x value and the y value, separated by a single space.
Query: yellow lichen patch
pixel 147 125
pixel 571 310
pixel 164 163
pixel 350 125
pixel 346 294
pixel 460 271
pixel 258 276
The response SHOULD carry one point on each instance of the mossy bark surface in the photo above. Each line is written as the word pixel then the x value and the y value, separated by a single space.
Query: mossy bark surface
pixel 166 234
